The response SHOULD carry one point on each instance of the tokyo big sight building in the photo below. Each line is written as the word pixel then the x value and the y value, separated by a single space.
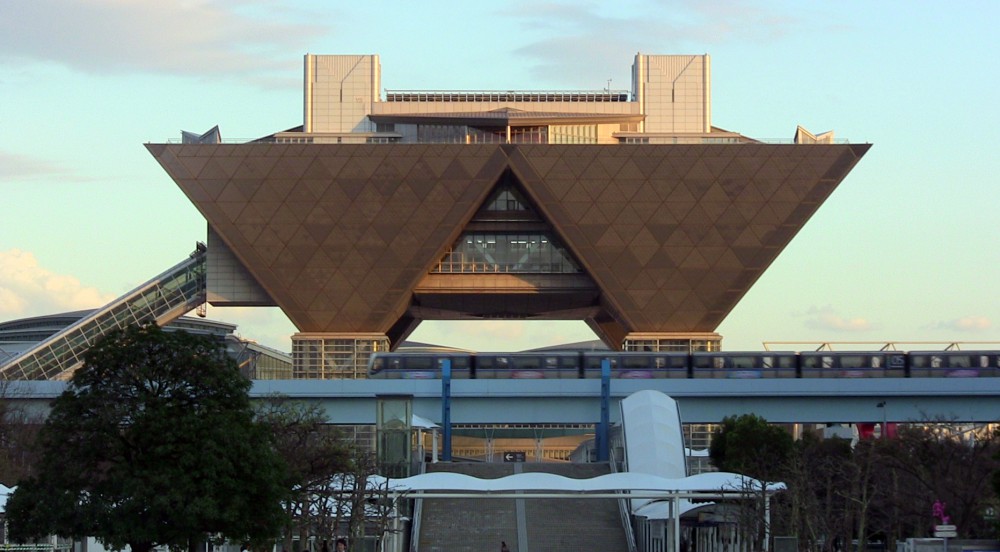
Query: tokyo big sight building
pixel 626 209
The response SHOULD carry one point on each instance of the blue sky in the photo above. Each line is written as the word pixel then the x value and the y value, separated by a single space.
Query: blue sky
pixel 907 249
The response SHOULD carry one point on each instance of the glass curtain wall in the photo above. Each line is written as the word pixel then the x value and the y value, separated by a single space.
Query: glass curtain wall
pixel 506 253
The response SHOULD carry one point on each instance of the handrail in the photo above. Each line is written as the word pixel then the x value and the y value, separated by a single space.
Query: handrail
pixel 418 512
pixel 882 345
pixel 696 139
pixel 623 510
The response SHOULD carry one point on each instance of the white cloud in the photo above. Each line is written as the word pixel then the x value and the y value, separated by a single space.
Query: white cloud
pixel 17 166
pixel 28 289
pixel 586 39
pixel 265 325
pixel 192 37
pixel 965 324
pixel 828 319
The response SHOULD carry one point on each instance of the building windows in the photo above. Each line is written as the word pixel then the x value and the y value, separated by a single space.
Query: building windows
pixel 506 200
pixel 487 135
pixel 441 134
pixel 477 252
pixel 680 345
pixel 529 135
pixel 334 358
pixel 573 134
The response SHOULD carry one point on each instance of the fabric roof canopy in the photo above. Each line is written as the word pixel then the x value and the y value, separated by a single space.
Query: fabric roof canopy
pixel 704 483
pixel 419 422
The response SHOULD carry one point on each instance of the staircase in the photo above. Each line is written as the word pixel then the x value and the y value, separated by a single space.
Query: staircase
pixel 572 524
pixel 468 525
pixel 526 525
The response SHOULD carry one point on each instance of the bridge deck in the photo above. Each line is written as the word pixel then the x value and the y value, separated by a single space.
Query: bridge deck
pixel 578 401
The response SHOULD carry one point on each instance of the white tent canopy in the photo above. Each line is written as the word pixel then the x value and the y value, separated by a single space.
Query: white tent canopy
pixel 654 441
pixel 714 484
pixel 419 422
pixel 5 493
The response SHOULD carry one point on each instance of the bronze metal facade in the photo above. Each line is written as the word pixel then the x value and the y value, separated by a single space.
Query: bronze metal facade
pixel 343 236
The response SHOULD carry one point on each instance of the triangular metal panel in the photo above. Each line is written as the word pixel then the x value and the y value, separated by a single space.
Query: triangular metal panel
pixel 691 225
pixel 698 186
pixel 301 228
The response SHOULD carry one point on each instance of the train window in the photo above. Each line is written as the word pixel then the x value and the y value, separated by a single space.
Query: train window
pixel 377 363
pixel 568 361
pixel 848 361
pixel 960 361
pixel 935 361
pixel 984 361
pixel 701 361
pixel 718 362
pixel 527 362
pixel 918 361
pixel 827 362
pixel 810 362
pixel 395 364
pixel 637 361
pixel 742 362
pixel 785 362
pixel 551 362
pixel 876 361
pixel 593 362
pixel 419 363
pixel 660 362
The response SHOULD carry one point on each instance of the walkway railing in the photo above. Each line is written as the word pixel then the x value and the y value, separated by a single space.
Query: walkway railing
pixel 624 509
pixel 160 300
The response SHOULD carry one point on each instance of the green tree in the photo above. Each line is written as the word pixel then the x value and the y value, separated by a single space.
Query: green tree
pixel 152 443
pixel 18 429
pixel 814 507
pixel 947 462
pixel 315 453
pixel 749 445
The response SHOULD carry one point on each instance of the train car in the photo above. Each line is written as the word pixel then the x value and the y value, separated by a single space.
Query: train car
pixel 649 365
pixel 637 365
pixel 538 365
pixel 954 364
pixel 418 365
pixel 744 365
pixel 865 364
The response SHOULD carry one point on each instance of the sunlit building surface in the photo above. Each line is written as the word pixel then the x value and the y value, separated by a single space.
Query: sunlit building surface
pixel 626 209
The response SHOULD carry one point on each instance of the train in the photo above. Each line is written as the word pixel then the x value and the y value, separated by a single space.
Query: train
pixel 649 365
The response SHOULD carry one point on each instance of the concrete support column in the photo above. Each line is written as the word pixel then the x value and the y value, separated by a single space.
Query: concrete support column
pixel 679 342
pixel 335 355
